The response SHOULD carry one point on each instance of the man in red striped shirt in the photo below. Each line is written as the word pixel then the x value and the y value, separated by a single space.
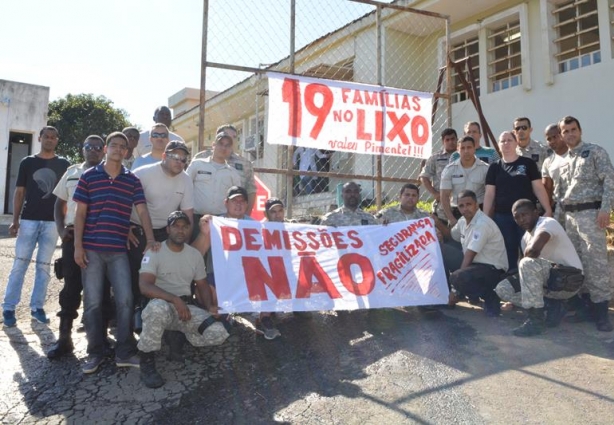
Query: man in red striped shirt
pixel 105 195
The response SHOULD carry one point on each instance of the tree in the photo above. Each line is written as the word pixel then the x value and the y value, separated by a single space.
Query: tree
pixel 78 116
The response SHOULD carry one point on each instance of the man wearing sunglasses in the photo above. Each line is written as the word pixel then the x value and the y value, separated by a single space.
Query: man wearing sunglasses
pixel 162 115
pixel 167 188
pixel 528 147
pixel 159 137
pixel 64 214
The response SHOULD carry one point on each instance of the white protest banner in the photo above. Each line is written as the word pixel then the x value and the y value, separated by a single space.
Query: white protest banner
pixel 349 117
pixel 300 267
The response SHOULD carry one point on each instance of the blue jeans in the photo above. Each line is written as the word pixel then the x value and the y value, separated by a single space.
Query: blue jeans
pixel 31 233
pixel 116 268
pixel 512 235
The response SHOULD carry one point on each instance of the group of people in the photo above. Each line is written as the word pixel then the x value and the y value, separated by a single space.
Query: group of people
pixel 135 217
pixel 531 222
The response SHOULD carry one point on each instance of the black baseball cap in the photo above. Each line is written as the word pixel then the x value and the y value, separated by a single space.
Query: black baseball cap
pixel 176 144
pixel 177 215
pixel 236 191
pixel 271 202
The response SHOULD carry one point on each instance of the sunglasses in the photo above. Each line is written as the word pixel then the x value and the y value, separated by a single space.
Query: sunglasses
pixel 177 157
pixel 159 135
pixel 92 148
pixel 521 127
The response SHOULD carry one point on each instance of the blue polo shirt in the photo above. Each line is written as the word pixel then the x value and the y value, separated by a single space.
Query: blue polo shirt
pixel 109 204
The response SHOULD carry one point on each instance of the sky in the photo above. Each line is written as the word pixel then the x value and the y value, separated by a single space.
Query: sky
pixel 138 53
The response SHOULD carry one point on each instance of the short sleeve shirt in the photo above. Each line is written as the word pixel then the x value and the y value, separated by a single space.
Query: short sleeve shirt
pixel 39 176
pixel 513 181
pixel 434 167
pixel 211 182
pixel 164 194
pixel 174 271
pixel 457 178
pixel 65 190
pixel 559 248
pixel 483 237
pixel 109 204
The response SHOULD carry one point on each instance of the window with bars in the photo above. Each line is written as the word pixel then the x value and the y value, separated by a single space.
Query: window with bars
pixel 504 64
pixel 577 34
pixel 467 48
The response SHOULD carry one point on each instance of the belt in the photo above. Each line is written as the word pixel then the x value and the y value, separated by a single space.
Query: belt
pixel 582 207
pixel 188 299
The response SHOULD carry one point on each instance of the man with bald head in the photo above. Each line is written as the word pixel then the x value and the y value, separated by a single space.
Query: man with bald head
pixel 349 214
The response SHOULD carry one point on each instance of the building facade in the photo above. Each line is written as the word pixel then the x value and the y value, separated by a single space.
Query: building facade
pixel 23 112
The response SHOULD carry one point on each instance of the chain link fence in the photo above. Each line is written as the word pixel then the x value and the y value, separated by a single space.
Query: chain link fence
pixel 360 41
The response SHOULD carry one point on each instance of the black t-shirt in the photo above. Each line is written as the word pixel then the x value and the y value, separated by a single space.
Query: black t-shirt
pixel 513 181
pixel 39 176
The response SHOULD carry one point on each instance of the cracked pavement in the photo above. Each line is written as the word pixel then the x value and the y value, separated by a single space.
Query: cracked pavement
pixel 361 367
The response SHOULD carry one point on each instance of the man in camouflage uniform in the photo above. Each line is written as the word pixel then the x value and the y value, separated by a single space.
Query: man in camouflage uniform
pixel 349 214
pixel 586 199
pixel 166 278
pixel 240 164
pixel 430 176
pixel 551 169
pixel 544 244
pixel 528 147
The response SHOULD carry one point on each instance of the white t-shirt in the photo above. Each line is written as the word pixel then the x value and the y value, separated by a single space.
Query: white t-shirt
pixel 174 271
pixel 164 194
pixel 559 248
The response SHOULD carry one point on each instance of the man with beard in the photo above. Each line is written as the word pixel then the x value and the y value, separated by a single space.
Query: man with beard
pixel 166 279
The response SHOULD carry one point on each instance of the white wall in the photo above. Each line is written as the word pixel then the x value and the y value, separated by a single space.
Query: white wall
pixel 23 108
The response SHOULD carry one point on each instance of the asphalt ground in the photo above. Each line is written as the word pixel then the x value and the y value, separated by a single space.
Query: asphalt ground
pixel 385 366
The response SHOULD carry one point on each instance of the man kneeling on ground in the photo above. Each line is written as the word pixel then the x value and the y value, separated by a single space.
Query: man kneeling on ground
pixel 544 244
pixel 166 278
pixel 484 255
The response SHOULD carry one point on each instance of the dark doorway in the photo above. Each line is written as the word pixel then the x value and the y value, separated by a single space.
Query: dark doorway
pixel 20 146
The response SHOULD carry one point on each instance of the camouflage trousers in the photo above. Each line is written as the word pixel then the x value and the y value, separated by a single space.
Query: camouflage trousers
pixel 590 242
pixel 160 315
pixel 533 276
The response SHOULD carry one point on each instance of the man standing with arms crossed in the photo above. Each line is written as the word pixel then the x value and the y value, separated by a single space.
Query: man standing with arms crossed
pixel 33 225
pixel 586 199
pixel 105 195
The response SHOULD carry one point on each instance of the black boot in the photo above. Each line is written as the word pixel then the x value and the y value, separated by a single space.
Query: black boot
pixel 534 325
pixel 603 321
pixel 582 307
pixel 149 375
pixel 554 313
pixel 64 343
pixel 175 340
